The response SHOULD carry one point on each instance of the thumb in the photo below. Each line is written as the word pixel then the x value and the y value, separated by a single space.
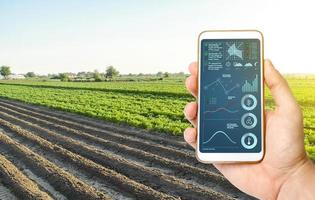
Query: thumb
pixel 279 88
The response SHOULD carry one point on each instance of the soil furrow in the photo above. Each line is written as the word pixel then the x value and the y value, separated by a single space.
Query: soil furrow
pixel 43 184
pixel 89 136
pixel 63 181
pixel 96 171
pixel 22 186
pixel 152 178
pixel 157 149
pixel 181 170
pixel 6 193
pixel 163 139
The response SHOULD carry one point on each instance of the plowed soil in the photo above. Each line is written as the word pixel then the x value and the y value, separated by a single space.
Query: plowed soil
pixel 50 154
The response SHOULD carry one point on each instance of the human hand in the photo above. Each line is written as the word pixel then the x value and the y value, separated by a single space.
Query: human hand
pixel 285 167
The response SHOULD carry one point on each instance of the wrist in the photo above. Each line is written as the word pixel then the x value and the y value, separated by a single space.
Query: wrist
pixel 300 185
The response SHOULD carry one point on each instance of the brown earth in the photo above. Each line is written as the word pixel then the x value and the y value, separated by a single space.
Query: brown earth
pixel 50 154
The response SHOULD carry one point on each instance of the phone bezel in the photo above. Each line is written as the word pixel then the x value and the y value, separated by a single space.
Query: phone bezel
pixel 233 157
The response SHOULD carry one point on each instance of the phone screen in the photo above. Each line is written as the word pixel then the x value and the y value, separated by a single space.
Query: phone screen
pixel 230 96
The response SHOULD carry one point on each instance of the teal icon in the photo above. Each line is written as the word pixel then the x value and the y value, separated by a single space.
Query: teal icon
pixel 237 64
pixel 234 51
pixel 248 102
pixel 228 64
pixel 249 120
pixel 249 140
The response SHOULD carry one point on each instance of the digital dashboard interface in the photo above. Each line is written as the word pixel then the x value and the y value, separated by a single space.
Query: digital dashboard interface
pixel 230 96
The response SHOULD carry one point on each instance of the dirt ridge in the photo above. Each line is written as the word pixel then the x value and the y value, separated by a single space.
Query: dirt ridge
pixel 139 165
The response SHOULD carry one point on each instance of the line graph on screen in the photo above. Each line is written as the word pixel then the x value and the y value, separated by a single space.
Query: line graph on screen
pixel 222 133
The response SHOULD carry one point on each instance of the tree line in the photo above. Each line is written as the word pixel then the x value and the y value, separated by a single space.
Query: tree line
pixel 109 74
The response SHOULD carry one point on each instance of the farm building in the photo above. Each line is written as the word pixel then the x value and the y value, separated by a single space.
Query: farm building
pixel 16 76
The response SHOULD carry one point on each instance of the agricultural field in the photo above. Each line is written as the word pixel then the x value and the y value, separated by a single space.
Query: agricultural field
pixel 50 154
pixel 151 105
pixel 156 105
pixel 111 140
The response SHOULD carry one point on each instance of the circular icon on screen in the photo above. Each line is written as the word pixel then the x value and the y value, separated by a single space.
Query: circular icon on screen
pixel 249 102
pixel 249 140
pixel 228 64
pixel 249 120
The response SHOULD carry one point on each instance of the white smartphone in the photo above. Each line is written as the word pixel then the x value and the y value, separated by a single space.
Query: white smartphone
pixel 231 96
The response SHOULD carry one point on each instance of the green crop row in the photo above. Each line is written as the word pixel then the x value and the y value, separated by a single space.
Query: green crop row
pixel 153 112
pixel 171 87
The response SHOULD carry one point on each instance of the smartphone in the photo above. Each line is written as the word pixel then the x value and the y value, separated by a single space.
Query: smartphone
pixel 230 96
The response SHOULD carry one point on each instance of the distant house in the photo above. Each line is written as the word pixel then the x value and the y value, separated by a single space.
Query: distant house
pixel 71 75
pixel 16 76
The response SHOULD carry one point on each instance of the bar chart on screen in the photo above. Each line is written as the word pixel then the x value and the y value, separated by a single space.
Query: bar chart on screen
pixel 250 87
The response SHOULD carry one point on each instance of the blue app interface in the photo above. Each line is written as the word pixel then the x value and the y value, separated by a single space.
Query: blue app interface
pixel 230 96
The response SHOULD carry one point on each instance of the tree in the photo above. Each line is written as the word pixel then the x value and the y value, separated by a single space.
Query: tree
pixel 82 74
pixel 53 76
pixel 181 74
pixel 166 74
pixel 97 76
pixel 159 74
pixel 111 72
pixel 5 71
pixel 30 74
pixel 64 77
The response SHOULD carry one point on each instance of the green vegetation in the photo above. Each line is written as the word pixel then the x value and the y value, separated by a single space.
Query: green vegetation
pixel 64 77
pixel 5 71
pixel 30 75
pixel 111 72
pixel 154 105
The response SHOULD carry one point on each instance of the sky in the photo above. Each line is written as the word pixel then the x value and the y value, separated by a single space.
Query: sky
pixel 145 36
